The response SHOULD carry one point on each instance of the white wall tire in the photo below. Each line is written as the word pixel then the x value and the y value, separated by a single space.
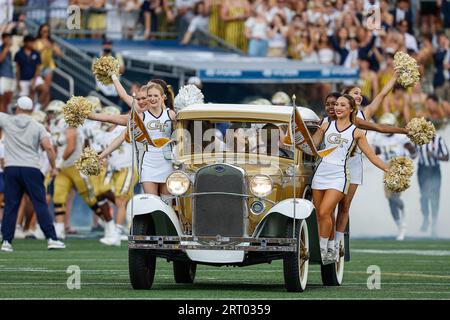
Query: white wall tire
pixel 296 264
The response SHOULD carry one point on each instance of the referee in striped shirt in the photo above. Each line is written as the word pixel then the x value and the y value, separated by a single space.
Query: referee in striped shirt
pixel 429 175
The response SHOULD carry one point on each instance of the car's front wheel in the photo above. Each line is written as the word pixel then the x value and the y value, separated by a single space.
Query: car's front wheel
pixel 333 274
pixel 184 272
pixel 141 264
pixel 296 264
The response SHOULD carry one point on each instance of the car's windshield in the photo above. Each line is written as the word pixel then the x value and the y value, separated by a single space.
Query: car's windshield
pixel 241 137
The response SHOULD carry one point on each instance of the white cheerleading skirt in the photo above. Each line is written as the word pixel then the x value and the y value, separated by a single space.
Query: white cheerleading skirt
pixel 355 164
pixel 155 168
pixel 331 176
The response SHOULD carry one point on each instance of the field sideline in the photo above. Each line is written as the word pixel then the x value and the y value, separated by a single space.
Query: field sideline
pixel 409 270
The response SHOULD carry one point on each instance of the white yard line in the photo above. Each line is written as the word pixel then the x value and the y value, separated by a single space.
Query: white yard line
pixel 436 253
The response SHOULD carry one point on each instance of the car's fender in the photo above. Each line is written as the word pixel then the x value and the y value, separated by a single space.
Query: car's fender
pixel 150 203
pixel 285 209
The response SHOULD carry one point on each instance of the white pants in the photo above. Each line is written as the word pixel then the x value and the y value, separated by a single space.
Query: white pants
pixel 25 86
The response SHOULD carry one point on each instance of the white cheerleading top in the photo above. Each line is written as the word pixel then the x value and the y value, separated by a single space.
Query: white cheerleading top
pixel 157 126
pixel 360 114
pixel 344 140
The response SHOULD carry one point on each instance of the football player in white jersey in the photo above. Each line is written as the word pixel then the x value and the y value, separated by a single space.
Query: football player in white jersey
pixel 69 142
pixel 389 146
pixel 92 131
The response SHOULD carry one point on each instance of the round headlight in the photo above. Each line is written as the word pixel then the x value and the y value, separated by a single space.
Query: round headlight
pixel 178 183
pixel 261 186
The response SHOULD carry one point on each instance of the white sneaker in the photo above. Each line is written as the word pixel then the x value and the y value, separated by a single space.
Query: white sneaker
pixel 111 241
pixel 112 236
pixel 19 234
pixel 122 232
pixel 323 254
pixel 38 233
pixel 28 234
pixel 55 244
pixel 7 247
pixel 401 234
pixel 331 255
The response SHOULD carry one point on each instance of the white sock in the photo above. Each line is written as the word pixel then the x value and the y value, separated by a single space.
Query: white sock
pixel 323 243
pixel 110 227
pixel 331 244
pixel 338 237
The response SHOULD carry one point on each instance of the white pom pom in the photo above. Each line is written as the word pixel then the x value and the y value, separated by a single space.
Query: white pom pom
pixel 188 94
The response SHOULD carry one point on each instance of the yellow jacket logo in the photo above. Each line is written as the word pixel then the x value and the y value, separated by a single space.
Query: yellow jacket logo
pixel 157 125
pixel 336 138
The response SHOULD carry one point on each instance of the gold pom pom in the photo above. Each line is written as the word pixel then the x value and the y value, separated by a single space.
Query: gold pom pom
pixel 398 177
pixel 76 111
pixel 407 69
pixel 104 67
pixel 89 162
pixel 420 131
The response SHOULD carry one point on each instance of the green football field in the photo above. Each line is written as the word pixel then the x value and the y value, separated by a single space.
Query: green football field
pixel 409 270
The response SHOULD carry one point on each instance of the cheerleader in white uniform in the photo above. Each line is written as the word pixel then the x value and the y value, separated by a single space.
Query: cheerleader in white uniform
pixel 158 121
pixel 355 162
pixel 332 178
pixel 152 110
pixel 361 123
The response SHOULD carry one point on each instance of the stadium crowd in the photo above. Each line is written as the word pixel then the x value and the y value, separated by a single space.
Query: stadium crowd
pixel 317 32
pixel 362 34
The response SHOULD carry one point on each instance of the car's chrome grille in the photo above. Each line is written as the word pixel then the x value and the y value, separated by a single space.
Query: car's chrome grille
pixel 219 214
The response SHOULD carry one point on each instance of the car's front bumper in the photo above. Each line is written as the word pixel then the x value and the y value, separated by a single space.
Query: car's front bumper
pixel 212 243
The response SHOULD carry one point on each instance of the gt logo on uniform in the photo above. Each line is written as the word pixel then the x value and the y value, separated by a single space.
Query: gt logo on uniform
pixel 157 125
pixel 335 138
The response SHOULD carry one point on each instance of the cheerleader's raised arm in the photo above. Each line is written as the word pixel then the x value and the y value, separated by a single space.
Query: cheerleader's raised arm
pixel 370 110
pixel 124 96
pixel 121 120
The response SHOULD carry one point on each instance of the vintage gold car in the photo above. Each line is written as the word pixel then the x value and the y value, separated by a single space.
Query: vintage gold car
pixel 232 204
